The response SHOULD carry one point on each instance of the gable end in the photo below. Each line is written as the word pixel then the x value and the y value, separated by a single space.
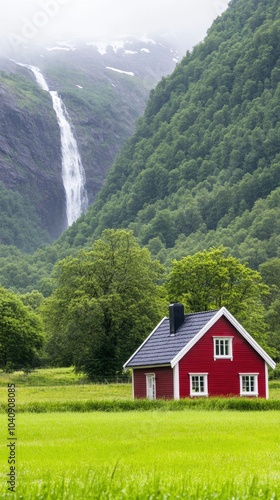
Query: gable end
pixel 223 312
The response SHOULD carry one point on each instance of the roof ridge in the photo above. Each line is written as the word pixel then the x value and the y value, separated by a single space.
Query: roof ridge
pixel 202 312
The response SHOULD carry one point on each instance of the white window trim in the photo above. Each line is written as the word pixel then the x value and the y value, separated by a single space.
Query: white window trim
pixel 205 376
pixel 151 375
pixel 223 356
pixel 250 393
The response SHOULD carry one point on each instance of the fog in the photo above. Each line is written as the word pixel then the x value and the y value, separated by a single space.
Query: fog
pixel 25 21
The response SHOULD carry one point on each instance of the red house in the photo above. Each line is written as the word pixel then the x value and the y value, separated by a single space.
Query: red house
pixel 199 354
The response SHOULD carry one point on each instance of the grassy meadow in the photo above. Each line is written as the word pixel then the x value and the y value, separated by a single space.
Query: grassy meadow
pixel 63 385
pixel 192 454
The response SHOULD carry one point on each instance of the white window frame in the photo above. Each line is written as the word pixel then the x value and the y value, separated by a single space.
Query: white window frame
pixel 254 377
pixel 204 376
pixel 150 377
pixel 220 340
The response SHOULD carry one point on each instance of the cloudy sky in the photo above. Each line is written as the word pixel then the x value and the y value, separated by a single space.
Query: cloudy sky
pixel 187 20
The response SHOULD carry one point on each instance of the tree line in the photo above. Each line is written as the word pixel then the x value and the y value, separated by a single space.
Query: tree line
pixel 106 300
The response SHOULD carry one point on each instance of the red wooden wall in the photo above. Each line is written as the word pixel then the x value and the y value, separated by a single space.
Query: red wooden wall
pixel 223 374
pixel 164 382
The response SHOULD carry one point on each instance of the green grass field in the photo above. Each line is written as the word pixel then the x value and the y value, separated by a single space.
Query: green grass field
pixel 191 454
pixel 195 449
pixel 68 393
pixel 62 385
pixel 43 377
pixel 59 385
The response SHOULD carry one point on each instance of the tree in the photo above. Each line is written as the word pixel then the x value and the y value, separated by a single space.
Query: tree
pixel 32 299
pixel 20 333
pixel 212 279
pixel 270 272
pixel 106 301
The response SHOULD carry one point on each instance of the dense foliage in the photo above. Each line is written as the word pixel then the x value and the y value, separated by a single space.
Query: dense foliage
pixel 20 333
pixel 203 167
pixel 270 272
pixel 213 279
pixel 19 224
pixel 106 302
pixel 108 299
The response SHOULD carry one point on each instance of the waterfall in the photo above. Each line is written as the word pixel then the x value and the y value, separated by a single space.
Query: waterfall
pixel 72 168
pixel 73 175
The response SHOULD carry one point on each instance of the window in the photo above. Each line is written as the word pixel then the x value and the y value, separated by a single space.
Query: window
pixel 248 384
pixel 222 347
pixel 151 386
pixel 199 384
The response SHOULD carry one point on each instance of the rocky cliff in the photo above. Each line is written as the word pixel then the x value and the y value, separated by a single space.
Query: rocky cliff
pixel 30 152
pixel 104 85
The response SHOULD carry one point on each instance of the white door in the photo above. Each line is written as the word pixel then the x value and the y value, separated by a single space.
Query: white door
pixel 151 385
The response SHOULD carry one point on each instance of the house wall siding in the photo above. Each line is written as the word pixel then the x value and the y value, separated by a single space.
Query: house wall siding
pixel 223 374
pixel 164 382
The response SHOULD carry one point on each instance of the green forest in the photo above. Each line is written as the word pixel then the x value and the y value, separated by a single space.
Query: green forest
pixel 198 180
pixel 203 165
pixel 104 301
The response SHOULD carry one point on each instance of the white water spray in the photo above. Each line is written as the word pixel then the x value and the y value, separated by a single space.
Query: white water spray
pixel 73 175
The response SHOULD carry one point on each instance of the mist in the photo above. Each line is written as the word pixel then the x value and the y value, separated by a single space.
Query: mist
pixel 32 21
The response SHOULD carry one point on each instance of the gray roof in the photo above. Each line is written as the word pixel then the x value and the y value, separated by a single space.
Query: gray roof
pixel 161 347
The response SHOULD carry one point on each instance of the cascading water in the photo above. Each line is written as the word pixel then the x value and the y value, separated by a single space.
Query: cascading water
pixel 73 175
pixel 72 168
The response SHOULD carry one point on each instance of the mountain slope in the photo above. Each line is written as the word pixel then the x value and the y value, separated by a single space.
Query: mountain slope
pixel 30 159
pixel 207 149
pixel 203 166
pixel 104 87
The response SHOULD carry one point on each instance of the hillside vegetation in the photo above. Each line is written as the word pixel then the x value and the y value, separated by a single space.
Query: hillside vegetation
pixel 203 167
pixel 19 223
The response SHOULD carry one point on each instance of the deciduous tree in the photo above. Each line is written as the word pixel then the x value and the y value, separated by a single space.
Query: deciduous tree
pixel 106 302
pixel 20 333
pixel 212 279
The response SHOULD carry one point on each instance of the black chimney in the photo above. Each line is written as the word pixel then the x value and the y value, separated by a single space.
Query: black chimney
pixel 176 317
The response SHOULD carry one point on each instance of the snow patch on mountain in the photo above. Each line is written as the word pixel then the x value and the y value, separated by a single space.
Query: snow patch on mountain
pixel 127 46
pixel 65 45
pixel 51 49
pixel 104 45
pixel 130 52
pixel 130 73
